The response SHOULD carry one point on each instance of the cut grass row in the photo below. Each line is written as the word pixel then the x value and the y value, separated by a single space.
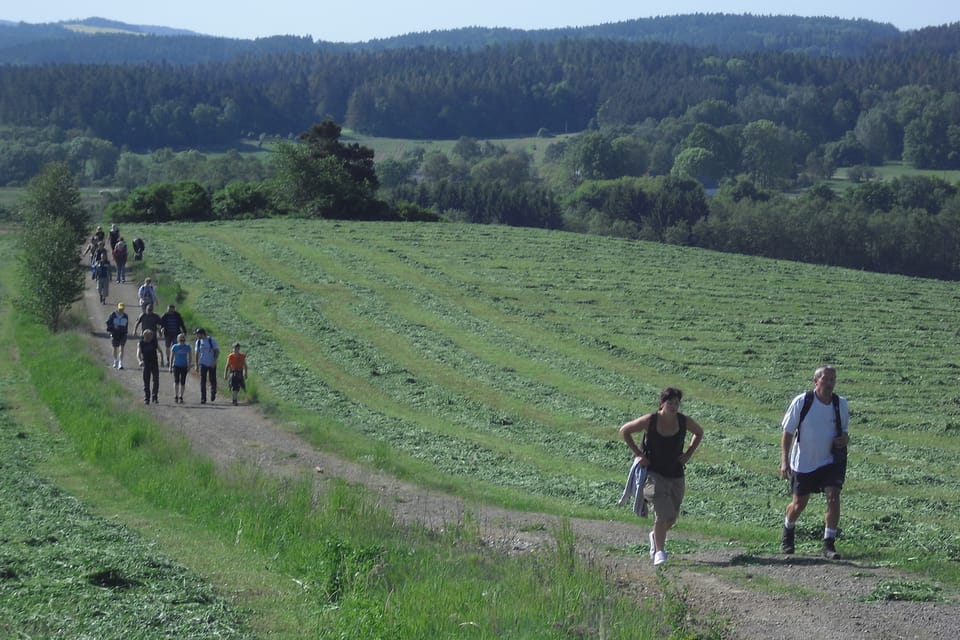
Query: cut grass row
pixel 458 348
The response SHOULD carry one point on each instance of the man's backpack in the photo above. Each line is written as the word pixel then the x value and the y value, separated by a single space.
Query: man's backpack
pixel 839 455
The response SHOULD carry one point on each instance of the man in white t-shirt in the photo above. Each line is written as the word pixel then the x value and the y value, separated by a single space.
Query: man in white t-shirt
pixel 813 455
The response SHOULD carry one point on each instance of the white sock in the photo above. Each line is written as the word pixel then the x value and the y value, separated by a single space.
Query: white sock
pixel 829 533
pixel 788 524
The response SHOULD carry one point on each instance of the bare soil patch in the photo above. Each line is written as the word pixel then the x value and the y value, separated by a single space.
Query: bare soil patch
pixel 758 595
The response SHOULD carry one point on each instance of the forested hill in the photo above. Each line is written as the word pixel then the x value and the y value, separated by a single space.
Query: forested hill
pixel 513 89
pixel 100 41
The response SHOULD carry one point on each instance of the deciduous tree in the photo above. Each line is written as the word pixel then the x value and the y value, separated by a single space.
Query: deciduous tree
pixel 54 224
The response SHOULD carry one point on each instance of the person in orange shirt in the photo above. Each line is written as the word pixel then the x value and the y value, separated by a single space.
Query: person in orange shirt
pixel 236 371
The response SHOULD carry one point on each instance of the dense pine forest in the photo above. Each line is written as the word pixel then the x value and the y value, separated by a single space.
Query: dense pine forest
pixel 654 115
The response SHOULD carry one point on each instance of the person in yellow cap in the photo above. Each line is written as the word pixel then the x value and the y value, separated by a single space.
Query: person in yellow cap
pixel 117 325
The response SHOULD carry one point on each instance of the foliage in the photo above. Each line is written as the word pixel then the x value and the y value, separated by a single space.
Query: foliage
pixel 163 202
pixel 54 224
pixel 515 88
pixel 326 178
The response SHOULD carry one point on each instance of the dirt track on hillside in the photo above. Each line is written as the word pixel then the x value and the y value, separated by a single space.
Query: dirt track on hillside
pixel 812 599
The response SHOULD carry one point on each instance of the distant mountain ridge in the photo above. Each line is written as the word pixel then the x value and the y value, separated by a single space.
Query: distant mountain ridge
pixel 103 25
pixel 104 41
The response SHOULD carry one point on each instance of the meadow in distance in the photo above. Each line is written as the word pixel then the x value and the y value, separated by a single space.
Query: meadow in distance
pixel 499 362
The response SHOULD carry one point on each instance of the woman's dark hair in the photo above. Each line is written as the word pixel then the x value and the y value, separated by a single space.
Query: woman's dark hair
pixel 669 393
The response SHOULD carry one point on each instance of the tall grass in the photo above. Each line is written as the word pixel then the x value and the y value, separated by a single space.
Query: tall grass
pixel 360 575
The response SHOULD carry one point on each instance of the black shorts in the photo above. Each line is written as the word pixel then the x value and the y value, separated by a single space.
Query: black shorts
pixel 829 475
pixel 118 339
pixel 236 381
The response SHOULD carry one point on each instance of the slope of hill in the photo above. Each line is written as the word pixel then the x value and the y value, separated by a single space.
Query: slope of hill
pixel 22 43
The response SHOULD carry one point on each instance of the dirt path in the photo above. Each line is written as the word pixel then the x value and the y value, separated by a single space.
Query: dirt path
pixel 800 598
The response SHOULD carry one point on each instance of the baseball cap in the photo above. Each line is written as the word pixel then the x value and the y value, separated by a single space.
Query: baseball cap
pixel 120 305
pixel 198 330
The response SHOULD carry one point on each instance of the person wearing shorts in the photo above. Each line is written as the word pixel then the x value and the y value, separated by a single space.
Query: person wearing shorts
pixel 118 323
pixel 181 355
pixel 809 450
pixel 661 452
pixel 235 371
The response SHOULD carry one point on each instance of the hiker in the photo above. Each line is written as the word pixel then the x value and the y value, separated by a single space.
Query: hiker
pixel 148 320
pixel 150 357
pixel 120 259
pixel 138 247
pixel 207 353
pixel 181 358
pixel 117 325
pixel 147 294
pixel 236 371
pixel 813 456
pixel 171 325
pixel 91 250
pixel 103 275
pixel 661 453
pixel 113 236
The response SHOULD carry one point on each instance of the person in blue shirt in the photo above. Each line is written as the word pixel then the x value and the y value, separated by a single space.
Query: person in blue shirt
pixel 181 357
pixel 207 352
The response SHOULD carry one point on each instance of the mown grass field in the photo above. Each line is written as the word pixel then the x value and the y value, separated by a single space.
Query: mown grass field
pixel 499 363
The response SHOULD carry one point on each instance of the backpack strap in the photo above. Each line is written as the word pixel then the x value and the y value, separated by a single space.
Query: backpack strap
pixel 808 402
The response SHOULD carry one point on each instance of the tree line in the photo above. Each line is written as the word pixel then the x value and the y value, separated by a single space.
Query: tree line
pixel 907 96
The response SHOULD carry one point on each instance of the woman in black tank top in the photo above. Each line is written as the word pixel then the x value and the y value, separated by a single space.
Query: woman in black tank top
pixel 661 453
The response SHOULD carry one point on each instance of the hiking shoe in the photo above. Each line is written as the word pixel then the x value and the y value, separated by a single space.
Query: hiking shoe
pixel 829 550
pixel 659 558
pixel 786 542
pixel 653 546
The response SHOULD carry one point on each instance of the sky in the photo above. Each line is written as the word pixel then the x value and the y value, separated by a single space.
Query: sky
pixel 364 20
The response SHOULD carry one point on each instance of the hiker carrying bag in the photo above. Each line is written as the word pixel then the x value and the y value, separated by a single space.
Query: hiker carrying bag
pixel 839 453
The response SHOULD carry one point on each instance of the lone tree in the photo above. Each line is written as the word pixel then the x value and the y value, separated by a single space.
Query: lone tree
pixel 328 179
pixel 54 224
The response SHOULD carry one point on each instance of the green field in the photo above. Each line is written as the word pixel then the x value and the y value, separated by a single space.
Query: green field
pixel 492 362
pixel 499 363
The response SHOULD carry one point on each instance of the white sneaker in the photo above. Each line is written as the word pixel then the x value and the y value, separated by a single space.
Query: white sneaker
pixel 114 365
pixel 660 558
pixel 120 366
pixel 653 546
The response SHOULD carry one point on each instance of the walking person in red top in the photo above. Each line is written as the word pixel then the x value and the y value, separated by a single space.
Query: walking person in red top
pixel 661 452
pixel 236 371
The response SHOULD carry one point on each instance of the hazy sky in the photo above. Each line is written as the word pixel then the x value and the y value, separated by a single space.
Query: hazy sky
pixel 367 19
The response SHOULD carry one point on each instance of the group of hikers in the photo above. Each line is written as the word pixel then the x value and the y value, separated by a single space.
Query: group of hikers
pixel 176 355
pixel 813 457
pixel 99 254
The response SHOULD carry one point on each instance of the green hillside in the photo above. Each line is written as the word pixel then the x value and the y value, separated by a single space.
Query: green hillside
pixel 500 362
